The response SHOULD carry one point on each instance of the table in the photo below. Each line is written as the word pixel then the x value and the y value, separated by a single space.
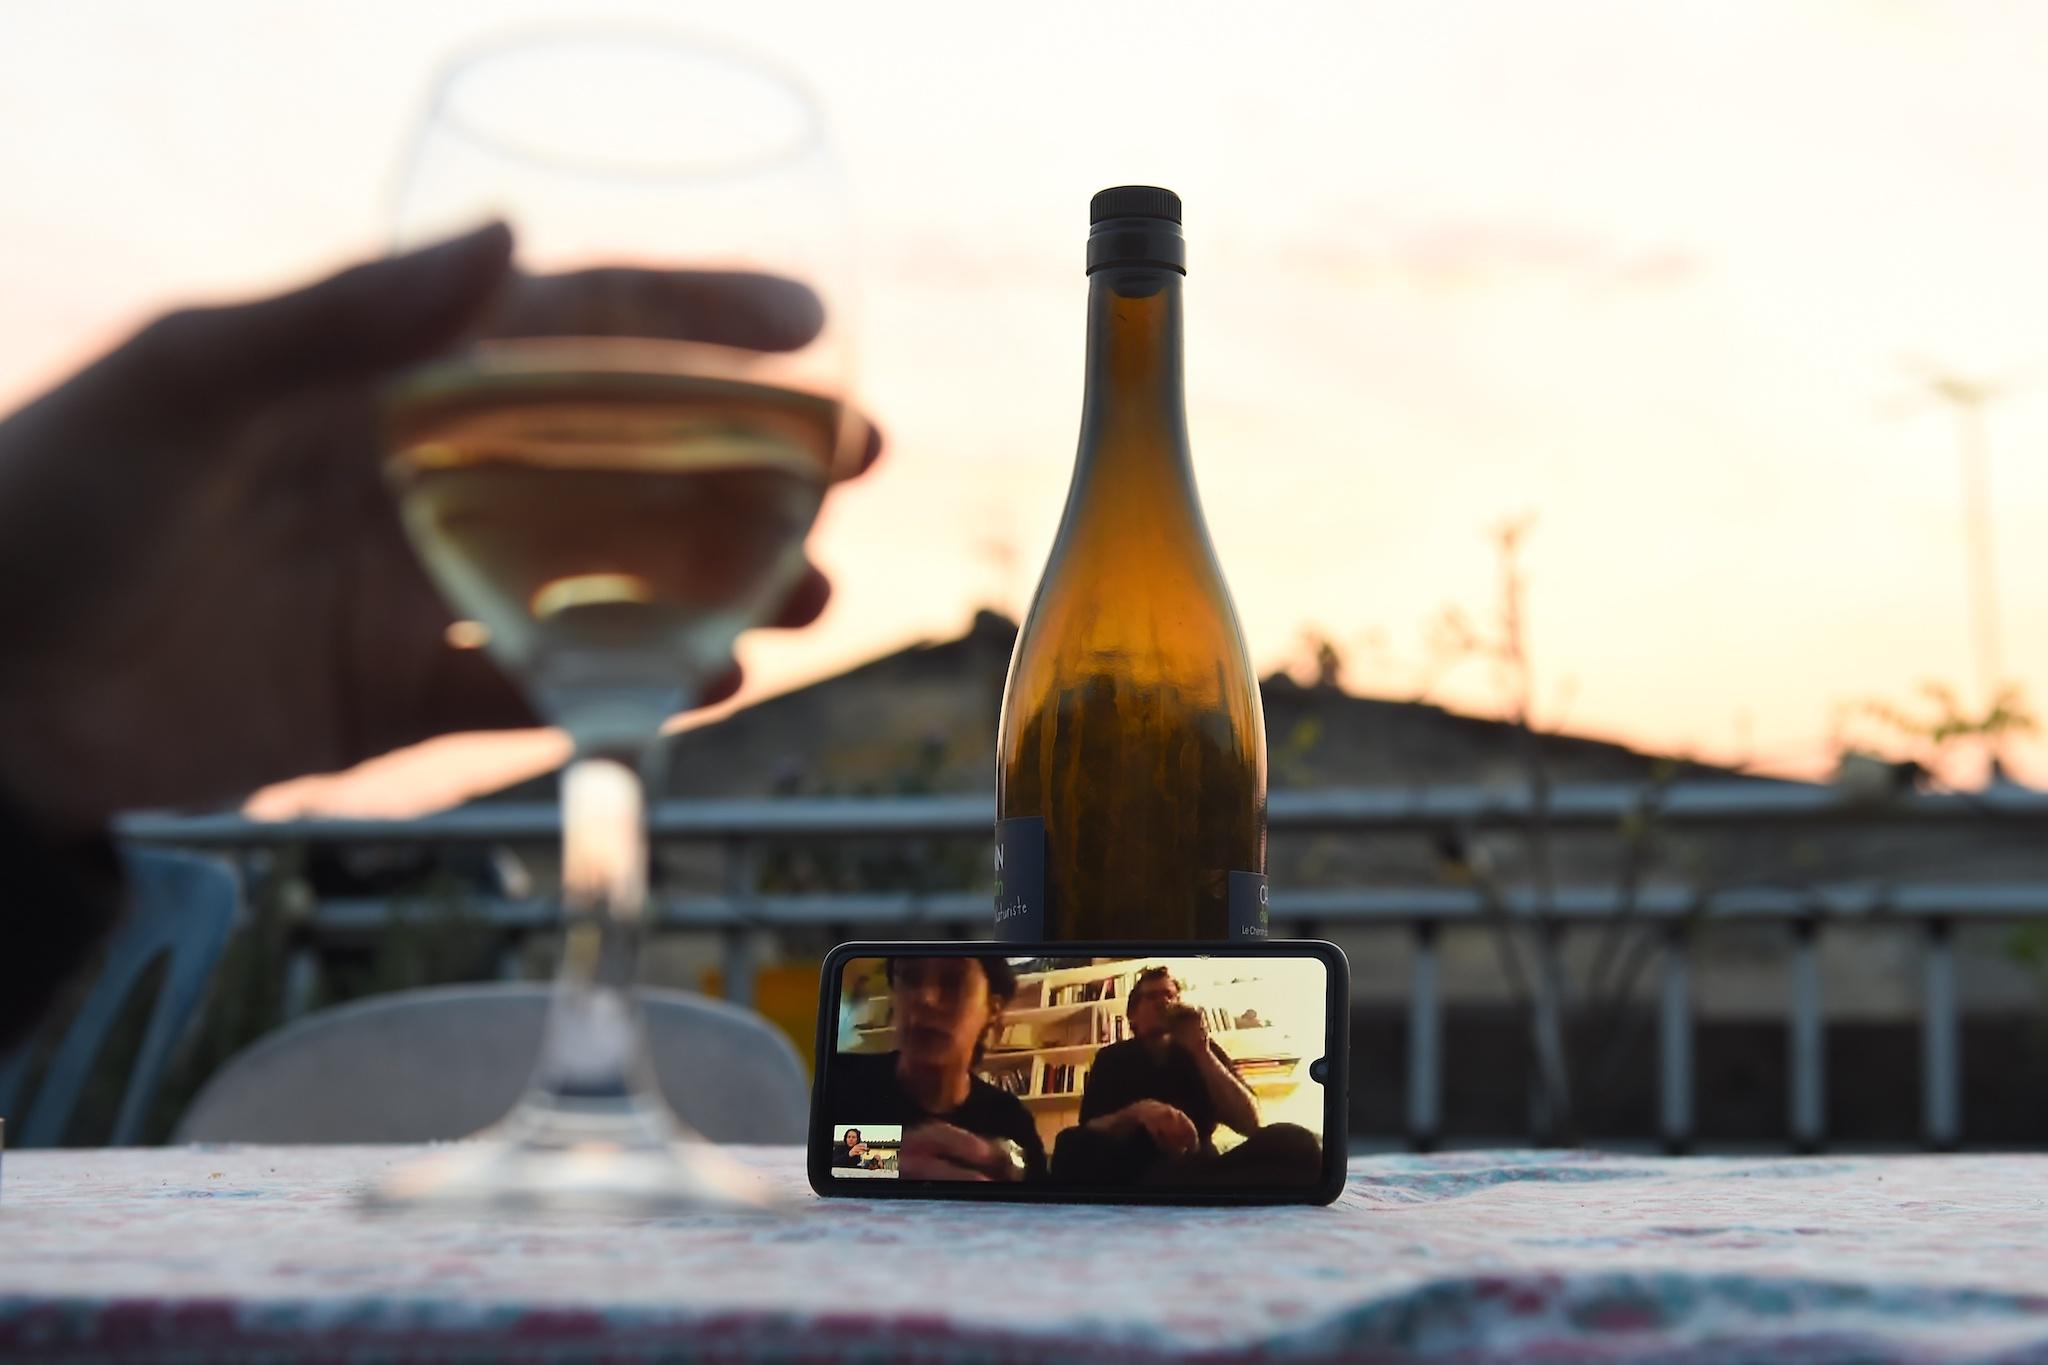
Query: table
pixel 240 1254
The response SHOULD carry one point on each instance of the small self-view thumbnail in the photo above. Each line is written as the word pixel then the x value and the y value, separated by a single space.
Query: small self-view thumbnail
pixel 866 1153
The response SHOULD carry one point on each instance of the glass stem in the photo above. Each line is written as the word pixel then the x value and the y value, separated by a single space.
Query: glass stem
pixel 594 1050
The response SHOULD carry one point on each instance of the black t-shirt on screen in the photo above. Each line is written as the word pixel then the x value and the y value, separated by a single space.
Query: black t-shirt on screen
pixel 1125 1073
pixel 864 1085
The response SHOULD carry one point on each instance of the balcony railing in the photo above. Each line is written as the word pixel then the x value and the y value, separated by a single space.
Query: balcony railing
pixel 1928 909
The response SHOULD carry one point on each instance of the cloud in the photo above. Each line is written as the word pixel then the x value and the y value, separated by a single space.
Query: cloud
pixel 1484 253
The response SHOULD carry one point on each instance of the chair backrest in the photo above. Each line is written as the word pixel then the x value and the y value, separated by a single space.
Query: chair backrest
pixel 180 907
pixel 428 1065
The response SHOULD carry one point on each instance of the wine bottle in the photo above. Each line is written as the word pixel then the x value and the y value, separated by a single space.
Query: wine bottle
pixel 1131 758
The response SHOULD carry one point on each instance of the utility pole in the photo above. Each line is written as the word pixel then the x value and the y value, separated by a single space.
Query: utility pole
pixel 1968 399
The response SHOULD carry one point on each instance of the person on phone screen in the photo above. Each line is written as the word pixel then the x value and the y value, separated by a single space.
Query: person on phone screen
pixel 956 1126
pixel 851 1151
pixel 1152 1103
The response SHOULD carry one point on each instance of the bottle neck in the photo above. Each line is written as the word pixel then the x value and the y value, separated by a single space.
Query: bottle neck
pixel 1134 414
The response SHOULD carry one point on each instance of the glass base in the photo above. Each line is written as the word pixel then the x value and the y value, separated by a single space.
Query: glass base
pixel 618 1156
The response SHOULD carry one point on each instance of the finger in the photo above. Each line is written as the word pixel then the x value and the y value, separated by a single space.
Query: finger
pixel 722 687
pixel 952 1143
pixel 931 1138
pixel 804 605
pixel 728 308
pixel 806 602
pixel 371 317
pixel 871 446
pixel 471 693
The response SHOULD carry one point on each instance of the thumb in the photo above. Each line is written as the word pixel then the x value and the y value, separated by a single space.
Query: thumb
pixel 371 317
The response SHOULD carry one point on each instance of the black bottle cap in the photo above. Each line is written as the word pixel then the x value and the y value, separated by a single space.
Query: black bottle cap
pixel 1136 225
pixel 1134 201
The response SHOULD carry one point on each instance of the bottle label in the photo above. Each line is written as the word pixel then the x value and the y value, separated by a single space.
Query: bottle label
pixel 1020 887
pixel 1020 879
pixel 1247 905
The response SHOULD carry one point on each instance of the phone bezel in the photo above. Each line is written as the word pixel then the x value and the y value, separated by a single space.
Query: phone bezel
pixel 1336 1015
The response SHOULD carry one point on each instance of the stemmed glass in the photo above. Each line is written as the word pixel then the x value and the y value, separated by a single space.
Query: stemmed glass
pixel 611 483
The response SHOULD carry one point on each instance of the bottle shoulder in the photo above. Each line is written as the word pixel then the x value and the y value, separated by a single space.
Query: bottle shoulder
pixel 1144 623
pixel 1178 640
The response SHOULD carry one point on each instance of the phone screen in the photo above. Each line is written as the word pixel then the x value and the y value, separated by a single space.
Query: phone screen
pixel 1111 1074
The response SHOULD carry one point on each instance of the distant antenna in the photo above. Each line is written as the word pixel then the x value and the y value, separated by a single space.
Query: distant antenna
pixel 1968 399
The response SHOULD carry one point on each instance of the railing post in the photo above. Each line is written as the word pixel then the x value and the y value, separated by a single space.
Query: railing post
pixel 1674 1044
pixel 1940 1042
pixel 1550 1097
pixel 741 857
pixel 301 976
pixel 1425 1043
pixel 1808 1040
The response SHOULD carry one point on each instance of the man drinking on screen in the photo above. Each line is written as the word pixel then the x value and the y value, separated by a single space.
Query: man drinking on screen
pixel 1152 1104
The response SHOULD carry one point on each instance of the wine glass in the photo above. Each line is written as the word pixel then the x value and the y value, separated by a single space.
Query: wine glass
pixel 610 485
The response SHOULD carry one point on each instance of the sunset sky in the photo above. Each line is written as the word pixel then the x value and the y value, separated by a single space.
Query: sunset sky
pixel 1651 274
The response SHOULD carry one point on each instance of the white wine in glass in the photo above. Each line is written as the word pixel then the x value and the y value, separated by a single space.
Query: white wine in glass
pixel 613 483
pixel 611 529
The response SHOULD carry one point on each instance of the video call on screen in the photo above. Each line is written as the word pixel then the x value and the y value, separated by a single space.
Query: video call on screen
pixel 1156 1072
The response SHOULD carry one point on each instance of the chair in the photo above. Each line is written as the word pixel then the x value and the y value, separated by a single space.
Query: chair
pixel 424 1065
pixel 180 907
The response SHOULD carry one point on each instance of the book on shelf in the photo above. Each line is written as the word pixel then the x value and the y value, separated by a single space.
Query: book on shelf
pixel 1083 992
pixel 1063 1078
pixel 1258 1067
pixel 1011 1080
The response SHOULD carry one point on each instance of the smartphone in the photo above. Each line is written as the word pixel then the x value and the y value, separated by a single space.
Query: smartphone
pixel 1083 1072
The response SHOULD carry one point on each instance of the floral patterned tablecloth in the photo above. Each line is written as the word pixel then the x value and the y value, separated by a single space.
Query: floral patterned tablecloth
pixel 244 1254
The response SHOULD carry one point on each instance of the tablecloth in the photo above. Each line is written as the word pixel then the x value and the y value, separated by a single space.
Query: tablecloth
pixel 242 1254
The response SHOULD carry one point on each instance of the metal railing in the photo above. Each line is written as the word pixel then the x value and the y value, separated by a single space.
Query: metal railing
pixel 742 828
pixel 1592 805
